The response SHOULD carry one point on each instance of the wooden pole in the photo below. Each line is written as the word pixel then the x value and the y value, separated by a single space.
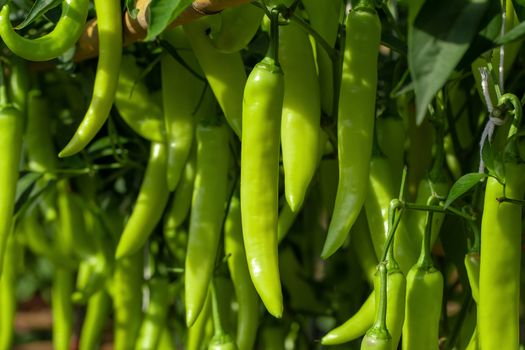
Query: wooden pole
pixel 135 29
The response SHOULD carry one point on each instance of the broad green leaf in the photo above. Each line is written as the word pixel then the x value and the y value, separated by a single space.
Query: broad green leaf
pixel 441 34
pixel 463 185
pixel 162 13
pixel 39 8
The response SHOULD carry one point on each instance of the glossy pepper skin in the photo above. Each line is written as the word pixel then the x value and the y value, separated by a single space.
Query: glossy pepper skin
pixel 355 121
pixel 155 314
pixel 238 26
pixel 247 299
pixel 423 300
pixel 378 336
pixel 152 198
pixel 66 32
pixel 262 107
pixel 97 315
pixel 499 279
pixel 207 213
pixel 135 105
pixel 11 121
pixel 224 72
pixel 109 24
pixel 300 123
pixel 8 298
pixel 324 18
pixel 181 92
pixel 363 319
pixel 127 300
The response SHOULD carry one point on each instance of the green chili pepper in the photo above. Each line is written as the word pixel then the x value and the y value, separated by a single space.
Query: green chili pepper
pixel 66 32
pixel 300 124
pixel 225 72
pixel 207 213
pixel 98 310
pixel 11 121
pixel 127 300
pixel 62 308
pixel 354 327
pixel 499 278
pixel 8 297
pixel 355 121
pixel 378 337
pixel 155 314
pixel 220 340
pixel 381 191
pixel 238 26
pixel 197 335
pixel 423 299
pixel 324 18
pixel 109 25
pixel 247 299
pixel 363 319
pixel 273 338
pixel 19 83
pixel 262 107
pixel 181 91
pixel 135 104
pixel 166 340
pixel 151 201
pixel 363 248
pixel 472 265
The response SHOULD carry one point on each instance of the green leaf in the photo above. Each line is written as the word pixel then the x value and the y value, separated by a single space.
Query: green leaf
pixel 463 185
pixel 516 33
pixel 519 7
pixel 441 34
pixel 39 8
pixel 162 13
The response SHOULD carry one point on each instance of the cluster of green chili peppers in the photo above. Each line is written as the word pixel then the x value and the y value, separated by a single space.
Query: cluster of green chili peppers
pixel 216 187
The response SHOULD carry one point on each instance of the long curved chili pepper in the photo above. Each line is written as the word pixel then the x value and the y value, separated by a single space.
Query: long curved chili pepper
pixel 355 121
pixel 11 121
pixel 238 26
pixel 324 18
pixel 378 336
pixel 8 297
pixel 262 108
pixel 300 123
pixel 135 105
pixel 127 300
pixel 207 213
pixel 181 92
pixel 247 299
pixel 151 201
pixel 225 72
pixel 109 24
pixel 66 32
pixel 97 315
pixel 155 315
pixel 423 299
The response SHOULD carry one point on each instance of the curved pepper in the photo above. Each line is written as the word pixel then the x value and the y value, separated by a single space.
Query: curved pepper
pixel 66 32
pixel 238 26
pixel 225 72
pixel 181 92
pixel 355 122
pixel 11 121
pixel 300 123
pixel 207 213
pixel 262 107
pixel 135 104
pixel 150 204
pixel 247 299
pixel 109 25
pixel 97 315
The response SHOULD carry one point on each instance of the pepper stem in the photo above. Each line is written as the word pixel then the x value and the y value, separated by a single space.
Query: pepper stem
pixel 380 321
pixel 273 50
pixel 217 325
